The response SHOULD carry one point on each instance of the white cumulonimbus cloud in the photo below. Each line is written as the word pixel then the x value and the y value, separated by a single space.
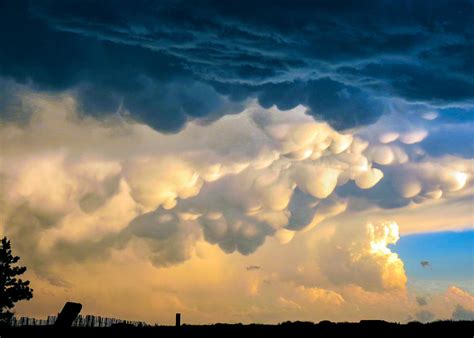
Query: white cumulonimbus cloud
pixel 359 254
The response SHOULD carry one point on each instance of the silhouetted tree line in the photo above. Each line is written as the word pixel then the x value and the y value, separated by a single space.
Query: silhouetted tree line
pixel 363 329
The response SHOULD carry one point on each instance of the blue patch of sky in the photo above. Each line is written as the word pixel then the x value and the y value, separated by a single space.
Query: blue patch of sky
pixel 450 256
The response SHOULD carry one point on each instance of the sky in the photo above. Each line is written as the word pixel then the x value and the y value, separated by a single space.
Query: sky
pixel 240 161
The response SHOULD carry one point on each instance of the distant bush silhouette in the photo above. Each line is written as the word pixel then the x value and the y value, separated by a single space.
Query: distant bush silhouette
pixel 12 289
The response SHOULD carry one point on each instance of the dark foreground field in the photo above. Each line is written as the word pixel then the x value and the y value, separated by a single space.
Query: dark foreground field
pixel 298 329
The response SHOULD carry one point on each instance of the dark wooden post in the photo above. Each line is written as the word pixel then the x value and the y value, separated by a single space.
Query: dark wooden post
pixel 178 319
pixel 68 314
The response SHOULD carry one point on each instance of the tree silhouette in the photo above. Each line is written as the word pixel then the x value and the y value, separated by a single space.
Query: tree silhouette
pixel 12 289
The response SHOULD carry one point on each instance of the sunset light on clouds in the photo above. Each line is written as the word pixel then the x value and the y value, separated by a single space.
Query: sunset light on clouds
pixel 240 168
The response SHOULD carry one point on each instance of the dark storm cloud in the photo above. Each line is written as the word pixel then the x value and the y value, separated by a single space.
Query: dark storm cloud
pixel 105 76
pixel 168 62
pixel 416 82
pixel 340 105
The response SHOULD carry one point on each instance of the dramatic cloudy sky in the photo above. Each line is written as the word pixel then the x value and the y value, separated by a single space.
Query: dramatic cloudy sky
pixel 250 161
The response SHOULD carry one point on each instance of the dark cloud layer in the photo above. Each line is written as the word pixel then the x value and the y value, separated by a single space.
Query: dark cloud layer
pixel 169 62
pixel 106 77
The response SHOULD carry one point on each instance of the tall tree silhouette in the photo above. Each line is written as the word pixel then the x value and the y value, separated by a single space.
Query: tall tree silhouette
pixel 12 289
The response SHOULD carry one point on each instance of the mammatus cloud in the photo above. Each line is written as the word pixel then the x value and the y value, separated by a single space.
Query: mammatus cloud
pixel 411 174
pixel 143 184
pixel 75 187
pixel 205 140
